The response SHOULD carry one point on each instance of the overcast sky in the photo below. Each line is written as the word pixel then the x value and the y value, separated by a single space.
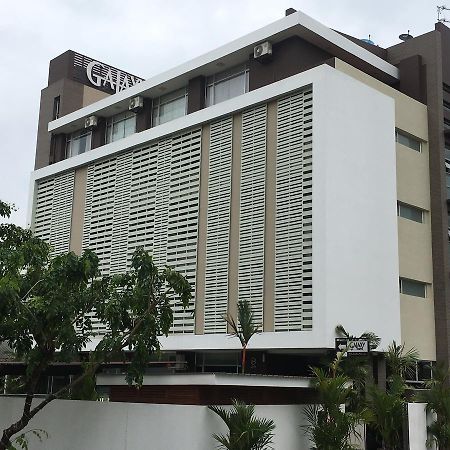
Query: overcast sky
pixel 145 37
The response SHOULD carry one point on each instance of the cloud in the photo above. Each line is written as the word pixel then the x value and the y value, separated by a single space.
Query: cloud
pixel 146 37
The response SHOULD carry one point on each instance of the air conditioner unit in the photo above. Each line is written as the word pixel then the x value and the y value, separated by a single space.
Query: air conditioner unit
pixel 90 122
pixel 262 51
pixel 136 103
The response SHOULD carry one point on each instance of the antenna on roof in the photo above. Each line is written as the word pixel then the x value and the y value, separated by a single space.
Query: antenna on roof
pixel 440 12
pixel 405 36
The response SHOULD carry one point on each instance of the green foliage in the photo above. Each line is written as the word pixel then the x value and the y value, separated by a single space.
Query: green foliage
pixel 85 390
pixel 437 397
pixel 386 412
pixel 246 432
pixel 246 327
pixel 330 425
pixel 47 305
pixel 358 368
pixel 22 441
pixel 374 340
pixel 400 362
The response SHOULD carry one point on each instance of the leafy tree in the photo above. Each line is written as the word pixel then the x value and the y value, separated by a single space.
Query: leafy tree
pixel 246 327
pixel 47 306
pixel 437 397
pixel 330 425
pixel 246 432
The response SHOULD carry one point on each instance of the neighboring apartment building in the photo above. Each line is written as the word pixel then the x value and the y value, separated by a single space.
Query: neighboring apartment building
pixel 295 167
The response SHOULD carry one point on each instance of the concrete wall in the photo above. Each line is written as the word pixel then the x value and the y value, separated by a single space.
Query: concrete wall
pixel 74 425
pixel 355 246
pixel 413 188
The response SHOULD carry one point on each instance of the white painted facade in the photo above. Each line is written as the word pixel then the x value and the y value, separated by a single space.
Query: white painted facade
pixel 354 225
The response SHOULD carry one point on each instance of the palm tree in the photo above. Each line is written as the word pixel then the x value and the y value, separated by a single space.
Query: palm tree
pixel 246 432
pixel 330 426
pixel 358 368
pixel 437 398
pixel 386 412
pixel 245 329
pixel 386 409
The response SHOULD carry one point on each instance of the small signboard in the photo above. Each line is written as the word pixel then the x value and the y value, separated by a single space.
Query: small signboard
pixel 353 346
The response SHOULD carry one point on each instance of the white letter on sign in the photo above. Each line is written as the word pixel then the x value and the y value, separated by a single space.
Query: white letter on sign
pixel 96 80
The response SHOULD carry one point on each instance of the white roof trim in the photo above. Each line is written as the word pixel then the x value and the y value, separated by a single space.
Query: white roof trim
pixel 297 21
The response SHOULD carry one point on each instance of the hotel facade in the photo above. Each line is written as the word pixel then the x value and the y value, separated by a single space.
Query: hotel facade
pixel 297 168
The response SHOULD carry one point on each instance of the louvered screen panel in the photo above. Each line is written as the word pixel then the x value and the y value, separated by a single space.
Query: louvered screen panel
pixel 293 245
pixel 142 200
pixel 182 224
pixel 43 209
pixel 251 240
pixel 53 211
pixel 162 202
pixel 147 198
pixel 98 217
pixel 121 212
pixel 218 226
pixel 99 211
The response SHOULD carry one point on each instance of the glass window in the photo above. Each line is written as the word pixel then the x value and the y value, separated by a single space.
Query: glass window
pixel 78 142
pixel 120 126
pixel 226 85
pixel 56 107
pixel 410 212
pixel 408 141
pixel 169 107
pixel 413 287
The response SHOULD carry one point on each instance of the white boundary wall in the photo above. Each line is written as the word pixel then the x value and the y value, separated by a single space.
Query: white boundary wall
pixel 75 425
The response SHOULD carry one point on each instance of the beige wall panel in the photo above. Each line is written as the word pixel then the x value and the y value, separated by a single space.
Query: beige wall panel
pixel 202 233
pixel 91 95
pixel 417 319
pixel 410 115
pixel 269 230
pixel 233 274
pixel 415 249
pixel 413 179
pixel 79 201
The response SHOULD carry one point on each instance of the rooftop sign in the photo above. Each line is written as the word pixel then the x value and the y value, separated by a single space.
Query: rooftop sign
pixel 102 75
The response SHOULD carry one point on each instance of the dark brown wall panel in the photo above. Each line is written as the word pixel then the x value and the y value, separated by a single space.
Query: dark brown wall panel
pixel 71 95
pixel 196 94
pixel 212 395
pixel 289 57
pixel 429 46
pixel 413 78
pixel 99 133
pixel 144 117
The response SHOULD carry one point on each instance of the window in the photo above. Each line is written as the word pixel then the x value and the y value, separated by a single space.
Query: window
pixel 120 126
pixel 410 212
pixel 169 107
pixel 56 106
pixel 408 141
pixel 413 287
pixel 446 106
pixel 226 85
pixel 421 371
pixel 447 180
pixel 78 142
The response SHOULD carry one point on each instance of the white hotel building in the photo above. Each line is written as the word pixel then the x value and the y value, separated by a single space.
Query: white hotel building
pixel 292 168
